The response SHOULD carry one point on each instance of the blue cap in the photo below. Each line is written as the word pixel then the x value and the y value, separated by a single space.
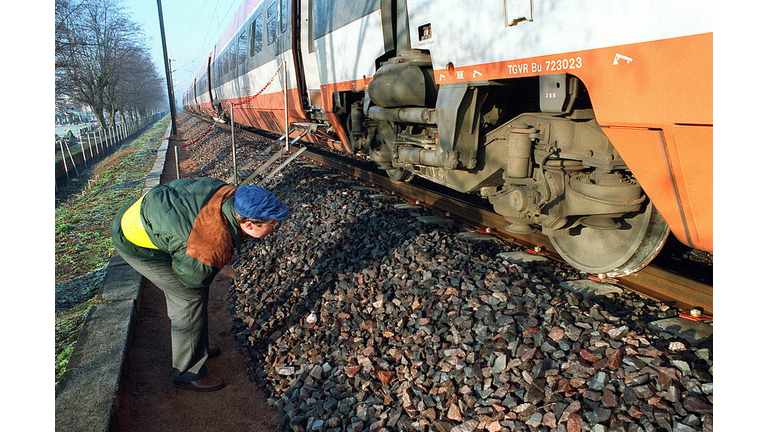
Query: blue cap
pixel 255 202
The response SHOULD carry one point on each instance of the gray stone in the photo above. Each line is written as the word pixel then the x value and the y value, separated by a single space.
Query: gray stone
pixel 435 220
pixel 598 415
pixel 521 257
pixel 499 364
pixel 317 425
pixel 590 289
pixel 404 206
pixel 598 381
pixel 316 372
pixel 476 236
pixel 383 197
pixel 683 366
pixel 682 427
pixel 535 420
pixel 467 426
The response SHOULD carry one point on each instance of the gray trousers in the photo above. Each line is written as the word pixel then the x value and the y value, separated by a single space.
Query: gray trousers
pixel 188 311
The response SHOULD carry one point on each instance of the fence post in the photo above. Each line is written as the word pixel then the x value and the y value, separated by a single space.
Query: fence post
pixel 64 157
pixel 176 157
pixel 82 149
pixel 90 146
pixel 71 159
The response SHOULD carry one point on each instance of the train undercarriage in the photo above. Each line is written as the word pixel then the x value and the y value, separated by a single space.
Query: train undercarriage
pixel 531 146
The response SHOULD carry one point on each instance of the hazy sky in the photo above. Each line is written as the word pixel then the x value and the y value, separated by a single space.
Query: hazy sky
pixel 192 28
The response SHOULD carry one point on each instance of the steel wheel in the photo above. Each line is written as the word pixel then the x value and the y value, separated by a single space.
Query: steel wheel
pixel 615 252
pixel 400 174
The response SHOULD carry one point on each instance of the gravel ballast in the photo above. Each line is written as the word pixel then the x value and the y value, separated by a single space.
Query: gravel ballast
pixel 355 315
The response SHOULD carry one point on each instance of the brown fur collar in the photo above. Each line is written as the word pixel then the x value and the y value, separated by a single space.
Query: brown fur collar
pixel 210 240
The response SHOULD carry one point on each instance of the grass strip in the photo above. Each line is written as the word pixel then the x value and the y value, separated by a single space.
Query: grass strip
pixel 83 231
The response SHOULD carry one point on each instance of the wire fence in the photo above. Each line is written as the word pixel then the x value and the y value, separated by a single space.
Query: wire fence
pixel 74 152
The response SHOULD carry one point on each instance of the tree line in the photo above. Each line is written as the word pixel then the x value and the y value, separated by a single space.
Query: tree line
pixel 102 61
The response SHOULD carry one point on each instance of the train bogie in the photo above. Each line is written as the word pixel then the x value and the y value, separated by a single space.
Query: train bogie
pixel 589 122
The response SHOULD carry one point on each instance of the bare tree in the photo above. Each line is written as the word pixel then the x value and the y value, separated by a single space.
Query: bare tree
pixel 101 60
pixel 139 87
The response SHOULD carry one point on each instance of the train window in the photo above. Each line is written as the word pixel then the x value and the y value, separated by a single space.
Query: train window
pixel 224 63
pixel 271 23
pixel 242 48
pixel 256 34
pixel 232 57
pixel 283 15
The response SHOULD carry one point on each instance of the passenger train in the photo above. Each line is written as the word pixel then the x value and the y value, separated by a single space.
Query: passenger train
pixel 589 121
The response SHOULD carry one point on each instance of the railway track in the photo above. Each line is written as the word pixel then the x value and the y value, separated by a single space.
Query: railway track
pixel 694 299
pixel 356 315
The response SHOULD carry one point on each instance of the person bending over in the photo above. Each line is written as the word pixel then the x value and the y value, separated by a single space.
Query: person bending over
pixel 179 235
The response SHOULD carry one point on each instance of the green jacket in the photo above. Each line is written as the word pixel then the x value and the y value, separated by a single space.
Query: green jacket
pixel 192 224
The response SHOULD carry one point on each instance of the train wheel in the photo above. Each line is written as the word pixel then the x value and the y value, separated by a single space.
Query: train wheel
pixel 400 174
pixel 615 252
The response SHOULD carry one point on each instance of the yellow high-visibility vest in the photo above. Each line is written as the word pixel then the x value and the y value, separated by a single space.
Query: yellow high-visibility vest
pixel 133 228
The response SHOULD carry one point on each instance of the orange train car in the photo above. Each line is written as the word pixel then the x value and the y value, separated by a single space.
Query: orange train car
pixel 588 121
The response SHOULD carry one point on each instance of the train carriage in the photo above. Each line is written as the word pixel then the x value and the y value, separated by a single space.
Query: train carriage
pixel 588 121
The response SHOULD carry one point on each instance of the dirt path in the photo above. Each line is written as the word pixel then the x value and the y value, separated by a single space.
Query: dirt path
pixel 150 403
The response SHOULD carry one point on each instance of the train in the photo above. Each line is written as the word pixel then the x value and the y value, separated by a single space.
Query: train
pixel 590 122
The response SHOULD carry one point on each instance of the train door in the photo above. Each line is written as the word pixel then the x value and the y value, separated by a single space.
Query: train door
pixel 210 79
pixel 309 59
pixel 194 95
pixel 214 81
pixel 282 35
